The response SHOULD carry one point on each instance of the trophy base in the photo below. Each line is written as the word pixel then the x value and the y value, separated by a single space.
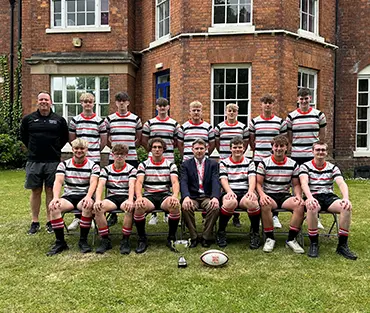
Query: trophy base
pixel 182 263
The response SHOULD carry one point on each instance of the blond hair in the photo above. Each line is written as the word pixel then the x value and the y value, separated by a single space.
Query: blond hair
pixel 87 96
pixel 232 106
pixel 195 104
pixel 79 142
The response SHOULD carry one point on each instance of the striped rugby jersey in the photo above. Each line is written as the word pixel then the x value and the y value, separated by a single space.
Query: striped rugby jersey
pixel 77 176
pixel 305 128
pixel 189 132
pixel 225 132
pixel 264 130
pixel 277 175
pixel 165 129
pixel 157 175
pixel 122 129
pixel 117 182
pixel 320 180
pixel 89 128
pixel 237 173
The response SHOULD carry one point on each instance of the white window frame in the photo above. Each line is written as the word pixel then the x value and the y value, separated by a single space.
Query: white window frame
pixel 363 151
pixel 313 73
pixel 159 3
pixel 306 33
pixel 231 66
pixel 64 92
pixel 64 28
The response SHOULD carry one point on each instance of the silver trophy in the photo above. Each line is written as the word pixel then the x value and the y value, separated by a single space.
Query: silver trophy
pixel 181 246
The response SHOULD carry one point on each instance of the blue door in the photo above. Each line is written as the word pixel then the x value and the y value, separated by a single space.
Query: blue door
pixel 162 86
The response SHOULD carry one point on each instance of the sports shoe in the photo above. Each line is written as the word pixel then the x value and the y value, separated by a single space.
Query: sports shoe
pixel 84 246
pixel 105 245
pixel 169 244
pixel 269 245
pixel 35 227
pixel 49 229
pixel 221 239
pixel 236 221
pixel 57 248
pixel 142 245
pixel 344 251
pixel 254 241
pixel 165 218
pixel 294 246
pixel 92 224
pixel 153 220
pixel 276 222
pixel 112 220
pixel 125 247
pixel 313 251
pixel 319 225
pixel 74 225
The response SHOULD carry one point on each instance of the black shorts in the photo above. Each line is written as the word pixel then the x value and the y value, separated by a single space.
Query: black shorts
pixel 326 200
pixel 300 161
pixel 74 199
pixel 158 198
pixel 279 198
pixel 40 173
pixel 239 195
pixel 117 199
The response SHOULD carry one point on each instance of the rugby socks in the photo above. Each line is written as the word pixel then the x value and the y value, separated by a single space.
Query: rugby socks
pixel 140 224
pixel 343 236
pixel 313 234
pixel 269 232
pixel 225 216
pixel 173 223
pixel 254 217
pixel 293 232
pixel 58 227
pixel 103 232
pixel 126 232
pixel 85 225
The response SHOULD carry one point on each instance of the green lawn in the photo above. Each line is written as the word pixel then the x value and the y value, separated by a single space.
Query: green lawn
pixel 252 281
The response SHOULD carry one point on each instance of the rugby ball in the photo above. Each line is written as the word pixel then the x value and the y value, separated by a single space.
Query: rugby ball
pixel 214 258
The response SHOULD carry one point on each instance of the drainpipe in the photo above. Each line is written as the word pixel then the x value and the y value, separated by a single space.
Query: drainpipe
pixel 335 75
pixel 19 42
pixel 11 62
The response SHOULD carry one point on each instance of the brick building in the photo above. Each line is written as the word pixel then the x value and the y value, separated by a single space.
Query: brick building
pixel 208 51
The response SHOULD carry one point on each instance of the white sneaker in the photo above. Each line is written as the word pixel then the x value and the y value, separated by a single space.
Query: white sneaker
pixel 92 224
pixel 165 218
pixel 276 222
pixel 269 245
pixel 319 225
pixel 294 245
pixel 74 225
pixel 153 220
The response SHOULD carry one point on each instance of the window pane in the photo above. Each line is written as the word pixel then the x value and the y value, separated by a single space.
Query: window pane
pixel 219 17
pixel 80 18
pixel 58 109
pixel 311 7
pixel 71 82
pixel 90 19
pixel 104 18
pixel 71 5
pixel 72 110
pixel 232 1
pixel 362 127
pixel 81 83
pixel 299 84
pixel 363 85
pixel 363 99
pixel 243 15
pixel 243 76
pixel 160 27
pixel 104 5
pixel 104 97
pixel 218 92
pixel 160 13
pixel 167 8
pixel 79 94
pixel 311 79
pixel 242 91
pixel 166 26
pixel 90 83
pixel 57 83
pixel 243 107
pixel 304 80
pixel 219 76
pixel 304 21
pixel 243 119
pixel 219 1
pixel 361 113
pixel 71 97
pixel 232 13
pixel 304 5
pixel 361 141
pixel 104 110
pixel 57 96
pixel 80 5
pixel 219 108
pixel 103 82
pixel 91 5
pixel 71 20
pixel 231 75
pixel 218 119
pixel 230 92
pixel 57 6
pixel 311 23
pixel 57 20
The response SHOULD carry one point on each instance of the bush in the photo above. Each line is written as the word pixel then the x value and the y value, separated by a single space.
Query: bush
pixel 12 152
pixel 142 155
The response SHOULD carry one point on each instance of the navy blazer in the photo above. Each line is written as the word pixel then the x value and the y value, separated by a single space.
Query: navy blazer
pixel 189 181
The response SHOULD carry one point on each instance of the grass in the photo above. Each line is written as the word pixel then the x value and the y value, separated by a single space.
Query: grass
pixel 251 282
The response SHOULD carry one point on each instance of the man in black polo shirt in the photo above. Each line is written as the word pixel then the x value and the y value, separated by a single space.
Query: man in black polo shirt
pixel 44 133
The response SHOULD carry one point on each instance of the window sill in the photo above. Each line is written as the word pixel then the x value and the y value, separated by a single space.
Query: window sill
pixel 225 28
pixel 311 36
pixel 160 41
pixel 102 29
pixel 361 154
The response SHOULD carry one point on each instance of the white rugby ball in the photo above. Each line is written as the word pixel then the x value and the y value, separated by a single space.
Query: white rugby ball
pixel 214 258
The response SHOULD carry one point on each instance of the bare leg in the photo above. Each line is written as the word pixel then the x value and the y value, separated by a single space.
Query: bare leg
pixel 35 201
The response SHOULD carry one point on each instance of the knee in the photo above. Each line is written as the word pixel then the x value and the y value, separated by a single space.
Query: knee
pixel 230 204
pixel 37 192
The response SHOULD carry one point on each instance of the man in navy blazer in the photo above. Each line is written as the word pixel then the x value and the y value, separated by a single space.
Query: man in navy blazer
pixel 200 189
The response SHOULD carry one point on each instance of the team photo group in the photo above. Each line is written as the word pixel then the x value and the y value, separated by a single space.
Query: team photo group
pixel 288 170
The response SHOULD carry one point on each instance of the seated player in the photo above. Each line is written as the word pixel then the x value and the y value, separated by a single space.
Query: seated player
pixel 80 177
pixel 156 175
pixel 200 188
pixel 119 178
pixel 317 179
pixel 275 174
pixel 238 180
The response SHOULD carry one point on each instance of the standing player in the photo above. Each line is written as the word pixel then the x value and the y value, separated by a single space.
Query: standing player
pixel 164 127
pixel 125 128
pixel 80 178
pixel 306 125
pixel 44 133
pixel 238 180
pixel 262 129
pixel 275 175
pixel 156 175
pixel 194 129
pixel 317 179
pixel 90 127
pixel 119 178
pixel 227 130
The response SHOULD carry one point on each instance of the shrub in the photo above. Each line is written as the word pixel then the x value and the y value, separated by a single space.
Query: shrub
pixel 142 155
pixel 12 152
